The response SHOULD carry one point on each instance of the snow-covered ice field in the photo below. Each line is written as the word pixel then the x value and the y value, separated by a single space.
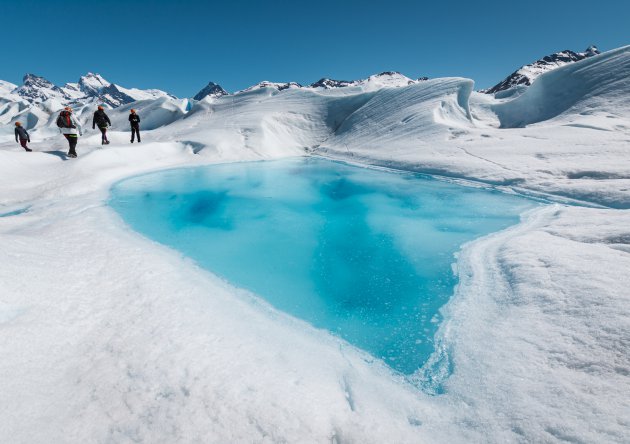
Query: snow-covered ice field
pixel 110 337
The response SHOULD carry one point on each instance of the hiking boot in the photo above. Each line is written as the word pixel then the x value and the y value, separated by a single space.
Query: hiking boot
pixel 73 155
pixel 28 149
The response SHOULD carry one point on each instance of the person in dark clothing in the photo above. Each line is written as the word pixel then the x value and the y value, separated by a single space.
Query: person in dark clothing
pixel 70 128
pixel 22 134
pixel 101 120
pixel 134 120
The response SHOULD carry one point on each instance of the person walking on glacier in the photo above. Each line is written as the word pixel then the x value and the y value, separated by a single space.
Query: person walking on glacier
pixel 70 128
pixel 101 120
pixel 134 121
pixel 22 134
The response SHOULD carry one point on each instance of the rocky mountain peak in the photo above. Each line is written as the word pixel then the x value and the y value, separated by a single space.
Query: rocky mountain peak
pixel 211 89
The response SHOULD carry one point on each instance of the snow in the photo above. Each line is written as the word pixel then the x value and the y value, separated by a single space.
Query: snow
pixel 274 85
pixel 110 337
pixel 583 88
pixel 90 89
pixel 6 88
pixel 527 74
pixel 144 94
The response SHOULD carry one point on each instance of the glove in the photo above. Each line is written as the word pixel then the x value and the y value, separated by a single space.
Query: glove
pixel 80 134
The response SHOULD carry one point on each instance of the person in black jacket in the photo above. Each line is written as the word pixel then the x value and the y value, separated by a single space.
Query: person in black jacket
pixel 101 120
pixel 134 121
pixel 22 134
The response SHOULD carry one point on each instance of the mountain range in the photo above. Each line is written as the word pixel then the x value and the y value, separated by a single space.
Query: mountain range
pixel 92 88
pixel 525 75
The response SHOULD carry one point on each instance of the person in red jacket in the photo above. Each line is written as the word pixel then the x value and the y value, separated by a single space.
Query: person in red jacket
pixel 70 128
pixel 22 134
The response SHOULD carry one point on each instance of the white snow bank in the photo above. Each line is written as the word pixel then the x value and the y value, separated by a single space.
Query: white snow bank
pixel 426 109
pixel 597 83
pixel 540 333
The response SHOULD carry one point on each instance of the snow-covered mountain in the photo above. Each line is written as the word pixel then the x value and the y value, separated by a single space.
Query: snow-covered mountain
pixel 275 85
pixel 37 89
pixel 326 83
pixel 387 79
pixel 211 89
pixel 525 75
pixel 91 88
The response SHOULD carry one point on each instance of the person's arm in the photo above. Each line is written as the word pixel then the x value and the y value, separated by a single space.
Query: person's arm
pixel 16 135
pixel 28 136
pixel 76 124
pixel 138 118
pixel 109 122
pixel 94 121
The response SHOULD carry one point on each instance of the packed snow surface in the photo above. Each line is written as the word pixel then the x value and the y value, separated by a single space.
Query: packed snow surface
pixel 110 337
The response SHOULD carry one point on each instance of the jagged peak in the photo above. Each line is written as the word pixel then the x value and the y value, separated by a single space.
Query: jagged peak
pixel 387 73
pixel 93 81
pixel 280 86
pixel 211 89
pixel 526 74
pixel 592 50
pixel 28 77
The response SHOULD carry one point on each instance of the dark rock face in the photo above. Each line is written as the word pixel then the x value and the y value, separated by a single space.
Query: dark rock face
pixel 212 90
pixel 528 73
pixel 331 83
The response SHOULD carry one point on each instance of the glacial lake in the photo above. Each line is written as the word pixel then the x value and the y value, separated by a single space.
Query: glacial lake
pixel 366 254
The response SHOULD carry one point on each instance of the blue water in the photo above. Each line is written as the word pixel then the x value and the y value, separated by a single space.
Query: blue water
pixel 16 212
pixel 365 254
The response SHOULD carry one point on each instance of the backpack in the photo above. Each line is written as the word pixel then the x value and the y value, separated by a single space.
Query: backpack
pixel 63 121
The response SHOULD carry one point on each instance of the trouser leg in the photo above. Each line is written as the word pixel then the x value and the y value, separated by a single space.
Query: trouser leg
pixel 23 143
pixel 72 143
pixel 103 134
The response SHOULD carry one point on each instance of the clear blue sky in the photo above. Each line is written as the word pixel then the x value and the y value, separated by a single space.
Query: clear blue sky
pixel 179 46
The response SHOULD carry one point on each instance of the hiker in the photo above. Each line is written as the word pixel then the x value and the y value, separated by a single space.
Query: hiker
pixel 22 134
pixel 70 128
pixel 101 120
pixel 134 120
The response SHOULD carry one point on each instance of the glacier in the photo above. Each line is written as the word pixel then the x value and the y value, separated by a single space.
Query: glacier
pixel 110 337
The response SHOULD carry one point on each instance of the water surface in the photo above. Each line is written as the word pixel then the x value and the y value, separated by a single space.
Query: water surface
pixel 363 253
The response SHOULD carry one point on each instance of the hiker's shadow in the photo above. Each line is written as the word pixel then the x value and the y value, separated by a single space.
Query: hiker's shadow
pixel 59 154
